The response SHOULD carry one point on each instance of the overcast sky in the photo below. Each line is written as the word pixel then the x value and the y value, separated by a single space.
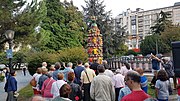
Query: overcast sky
pixel 118 6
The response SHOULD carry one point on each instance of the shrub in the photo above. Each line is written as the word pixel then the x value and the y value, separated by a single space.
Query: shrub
pixel 73 55
pixel 2 78
pixel 35 60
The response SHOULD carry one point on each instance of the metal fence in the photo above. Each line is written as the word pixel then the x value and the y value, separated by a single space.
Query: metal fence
pixel 142 62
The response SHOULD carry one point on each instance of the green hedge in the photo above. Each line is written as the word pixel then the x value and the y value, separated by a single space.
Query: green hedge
pixel 35 59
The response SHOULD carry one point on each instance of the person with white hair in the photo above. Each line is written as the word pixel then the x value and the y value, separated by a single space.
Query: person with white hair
pixel 167 64
pixel 67 70
pixel 87 76
pixel 44 64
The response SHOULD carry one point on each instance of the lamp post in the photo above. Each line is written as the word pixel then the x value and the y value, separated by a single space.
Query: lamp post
pixel 9 36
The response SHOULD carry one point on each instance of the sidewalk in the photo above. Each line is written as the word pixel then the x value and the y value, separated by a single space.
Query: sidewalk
pixel 22 81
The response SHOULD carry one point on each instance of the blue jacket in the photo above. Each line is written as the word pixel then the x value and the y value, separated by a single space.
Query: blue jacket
pixel 12 84
pixel 77 72
pixel 155 64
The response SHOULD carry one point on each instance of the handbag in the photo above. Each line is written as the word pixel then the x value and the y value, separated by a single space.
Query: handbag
pixel 33 82
pixel 16 94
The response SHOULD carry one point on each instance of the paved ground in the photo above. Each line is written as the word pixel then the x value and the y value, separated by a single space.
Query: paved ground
pixel 22 81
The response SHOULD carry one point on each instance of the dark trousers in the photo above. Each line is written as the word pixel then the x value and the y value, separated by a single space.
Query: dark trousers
pixel 10 96
pixel 87 92
pixel 153 81
pixel 117 92
pixel 24 71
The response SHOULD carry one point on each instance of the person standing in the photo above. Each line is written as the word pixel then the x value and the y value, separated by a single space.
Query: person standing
pixel 86 78
pixel 167 64
pixel 57 85
pixel 64 92
pixel 155 67
pixel 44 64
pixel 102 88
pixel 162 85
pixel 24 70
pixel 57 70
pixel 77 71
pixel 46 88
pixel 94 65
pixel 132 80
pixel 125 68
pixel 11 86
pixel 118 82
pixel 36 76
pixel 123 92
pixel 43 77
pixel 76 94
pixel 107 71
pixel 67 70
pixel 144 80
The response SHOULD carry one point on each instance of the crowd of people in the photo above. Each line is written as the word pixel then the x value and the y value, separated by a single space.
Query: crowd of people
pixel 96 82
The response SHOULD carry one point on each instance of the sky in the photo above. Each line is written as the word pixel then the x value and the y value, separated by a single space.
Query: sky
pixel 118 6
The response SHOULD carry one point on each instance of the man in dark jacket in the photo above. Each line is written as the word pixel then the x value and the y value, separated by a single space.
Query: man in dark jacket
pixel 77 70
pixel 94 65
pixel 169 68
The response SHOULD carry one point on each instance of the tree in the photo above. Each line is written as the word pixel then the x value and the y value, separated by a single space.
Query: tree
pixel 96 8
pixel 118 40
pixel 64 26
pixel 148 45
pixel 171 34
pixel 21 17
pixel 161 22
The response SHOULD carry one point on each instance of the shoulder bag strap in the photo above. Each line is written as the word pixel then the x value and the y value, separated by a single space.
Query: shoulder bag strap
pixel 48 83
pixel 87 75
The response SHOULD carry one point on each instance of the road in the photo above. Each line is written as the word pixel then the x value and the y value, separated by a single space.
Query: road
pixel 22 81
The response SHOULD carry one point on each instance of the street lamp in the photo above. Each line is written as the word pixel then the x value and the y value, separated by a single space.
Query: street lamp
pixel 9 36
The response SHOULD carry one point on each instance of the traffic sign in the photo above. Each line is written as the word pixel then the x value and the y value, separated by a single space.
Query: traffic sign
pixel 9 53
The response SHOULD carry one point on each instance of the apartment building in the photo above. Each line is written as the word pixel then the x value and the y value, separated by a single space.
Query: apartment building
pixel 137 23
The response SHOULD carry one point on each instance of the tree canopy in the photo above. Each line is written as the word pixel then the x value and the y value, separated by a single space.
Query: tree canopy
pixel 63 26
pixel 21 17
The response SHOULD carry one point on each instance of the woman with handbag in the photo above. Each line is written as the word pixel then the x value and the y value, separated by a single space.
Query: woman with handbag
pixel 46 88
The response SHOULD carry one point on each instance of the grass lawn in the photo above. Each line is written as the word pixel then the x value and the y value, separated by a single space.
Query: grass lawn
pixel 25 94
pixel 151 91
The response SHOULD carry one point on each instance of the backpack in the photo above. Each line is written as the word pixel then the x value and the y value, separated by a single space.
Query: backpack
pixel 6 84
pixel 33 82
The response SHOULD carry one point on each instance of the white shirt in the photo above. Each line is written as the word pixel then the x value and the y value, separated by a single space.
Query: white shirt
pixel 36 76
pixel 56 86
pixel 118 80
pixel 124 70
pixel 109 73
